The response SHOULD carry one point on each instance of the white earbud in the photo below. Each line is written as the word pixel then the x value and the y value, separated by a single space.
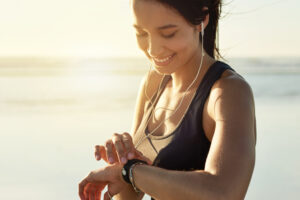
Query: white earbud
pixel 202 29
pixel 202 35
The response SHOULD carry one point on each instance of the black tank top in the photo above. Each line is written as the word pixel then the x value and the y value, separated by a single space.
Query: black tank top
pixel 186 148
pixel 189 146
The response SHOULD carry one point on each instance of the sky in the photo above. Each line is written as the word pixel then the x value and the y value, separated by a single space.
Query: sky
pixel 101 28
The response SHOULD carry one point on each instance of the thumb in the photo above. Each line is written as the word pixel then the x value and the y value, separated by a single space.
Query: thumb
pixel 141 156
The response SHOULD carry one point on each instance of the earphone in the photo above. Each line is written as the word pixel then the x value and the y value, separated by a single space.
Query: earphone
pixel 202 28
pixel 159 89
pixel 202 34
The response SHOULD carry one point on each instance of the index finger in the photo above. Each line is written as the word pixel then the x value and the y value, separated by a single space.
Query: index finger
pixel 82 184
pixel 128 144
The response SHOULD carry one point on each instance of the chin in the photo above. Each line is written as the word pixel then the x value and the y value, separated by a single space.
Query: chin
pixel 166 70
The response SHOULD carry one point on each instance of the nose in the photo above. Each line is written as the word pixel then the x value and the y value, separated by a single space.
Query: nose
pixel 155 48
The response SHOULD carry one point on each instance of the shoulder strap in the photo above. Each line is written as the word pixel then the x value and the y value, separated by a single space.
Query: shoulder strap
pixel 211 76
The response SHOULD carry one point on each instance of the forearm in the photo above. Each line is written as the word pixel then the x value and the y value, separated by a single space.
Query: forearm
pixel 128 193
pixel 168 184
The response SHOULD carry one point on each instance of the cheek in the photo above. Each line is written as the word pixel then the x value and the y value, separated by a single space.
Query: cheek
pixel 184 46
pixel 183 42
pixel 179 45
pixel 142 44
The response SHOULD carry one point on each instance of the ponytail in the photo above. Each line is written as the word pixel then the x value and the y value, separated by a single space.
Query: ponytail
pixel 211 45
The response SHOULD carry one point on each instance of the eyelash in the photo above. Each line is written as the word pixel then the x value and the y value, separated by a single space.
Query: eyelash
pixel 167 36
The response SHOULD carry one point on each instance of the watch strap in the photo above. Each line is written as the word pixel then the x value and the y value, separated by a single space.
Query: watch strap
pixel 126 169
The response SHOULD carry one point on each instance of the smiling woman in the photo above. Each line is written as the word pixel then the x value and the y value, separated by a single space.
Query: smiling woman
pixel 194 131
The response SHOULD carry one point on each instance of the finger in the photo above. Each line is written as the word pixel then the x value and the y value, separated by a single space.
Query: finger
pixel 107 197
pixel 81 189
pixel 142 157
pixel 103 153
pixel 128 144
pixel 92 195
pixel 86 191
pixel 138 154
pixel 85 184
pixel 98 194
pixel 97 152
pixel 100 153
pixel 89 191
pixel 93 192
pixel 119 146
pixel 109 151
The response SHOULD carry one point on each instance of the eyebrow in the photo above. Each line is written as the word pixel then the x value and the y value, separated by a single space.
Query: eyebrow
pixel 160 28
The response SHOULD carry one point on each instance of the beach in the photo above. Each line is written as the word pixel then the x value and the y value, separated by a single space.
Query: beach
pixel 53 112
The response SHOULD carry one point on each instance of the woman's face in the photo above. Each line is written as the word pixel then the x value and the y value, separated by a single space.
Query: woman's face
pixel 166 38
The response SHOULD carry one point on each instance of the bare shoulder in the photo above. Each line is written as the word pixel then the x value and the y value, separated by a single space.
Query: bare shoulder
pixel 151 82
pixel 232 88
pixel 231 99
pixel 148 86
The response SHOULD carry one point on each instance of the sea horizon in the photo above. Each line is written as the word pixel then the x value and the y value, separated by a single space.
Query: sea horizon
pixel 54 110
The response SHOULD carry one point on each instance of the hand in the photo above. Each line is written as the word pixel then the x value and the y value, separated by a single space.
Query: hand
pixel 119 149
pixel 90 188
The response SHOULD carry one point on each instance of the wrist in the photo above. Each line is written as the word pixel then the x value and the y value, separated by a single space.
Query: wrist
pixel 131 176
pixel 127 172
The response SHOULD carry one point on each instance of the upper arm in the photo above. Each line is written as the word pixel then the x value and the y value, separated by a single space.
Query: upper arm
pixel 232 153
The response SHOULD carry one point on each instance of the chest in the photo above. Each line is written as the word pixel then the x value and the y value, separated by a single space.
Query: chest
pixel 169 111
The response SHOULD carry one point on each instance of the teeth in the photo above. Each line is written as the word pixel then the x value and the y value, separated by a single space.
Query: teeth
pixel 162 60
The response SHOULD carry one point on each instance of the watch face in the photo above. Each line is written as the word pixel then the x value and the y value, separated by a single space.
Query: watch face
pixel 123 171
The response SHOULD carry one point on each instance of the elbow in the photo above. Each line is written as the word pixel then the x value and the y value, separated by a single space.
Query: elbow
pixel 221 193
pixel 229 194
pixel 222 196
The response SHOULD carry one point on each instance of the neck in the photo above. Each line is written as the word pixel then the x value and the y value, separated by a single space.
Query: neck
pixel 184 76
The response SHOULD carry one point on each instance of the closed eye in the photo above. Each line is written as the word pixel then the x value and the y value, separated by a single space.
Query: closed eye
pixel 165 36
pixel 170 36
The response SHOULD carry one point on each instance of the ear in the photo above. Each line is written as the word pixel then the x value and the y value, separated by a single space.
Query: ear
pixel 205 21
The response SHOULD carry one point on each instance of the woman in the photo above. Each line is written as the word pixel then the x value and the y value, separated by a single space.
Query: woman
pixel 197 132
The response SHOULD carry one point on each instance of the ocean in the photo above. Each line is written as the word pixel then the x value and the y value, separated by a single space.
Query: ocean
pixel 54 110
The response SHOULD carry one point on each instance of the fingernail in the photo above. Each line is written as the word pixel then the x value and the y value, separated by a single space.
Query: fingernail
pixel 97 157
pixel 123 160
pixel 130 155
pixel 110 159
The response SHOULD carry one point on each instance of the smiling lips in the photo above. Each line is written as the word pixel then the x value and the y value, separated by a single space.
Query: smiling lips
pixel 164 61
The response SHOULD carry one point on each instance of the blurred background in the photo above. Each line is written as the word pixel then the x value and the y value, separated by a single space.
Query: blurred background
pixel 69 76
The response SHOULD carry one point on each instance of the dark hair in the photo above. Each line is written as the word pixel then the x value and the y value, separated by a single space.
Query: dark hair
pixel 192 11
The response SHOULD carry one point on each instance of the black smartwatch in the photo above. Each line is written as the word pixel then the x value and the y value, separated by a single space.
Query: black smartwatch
pixel 127 166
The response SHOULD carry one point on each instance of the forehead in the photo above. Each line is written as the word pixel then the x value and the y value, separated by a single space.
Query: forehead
pixel 148 14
